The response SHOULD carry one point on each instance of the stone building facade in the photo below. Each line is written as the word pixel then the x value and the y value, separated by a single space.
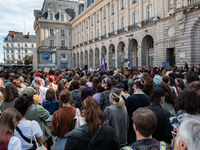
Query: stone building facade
pixel 53 34
pixel 17 46
pixel 143 33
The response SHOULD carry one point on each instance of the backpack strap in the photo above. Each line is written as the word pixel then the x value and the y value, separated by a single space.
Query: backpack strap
pixel 162 145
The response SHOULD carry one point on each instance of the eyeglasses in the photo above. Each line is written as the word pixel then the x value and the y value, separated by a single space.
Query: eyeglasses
pixel 174 134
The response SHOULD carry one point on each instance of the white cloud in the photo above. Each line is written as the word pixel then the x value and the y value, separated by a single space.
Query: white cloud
pixel 13 15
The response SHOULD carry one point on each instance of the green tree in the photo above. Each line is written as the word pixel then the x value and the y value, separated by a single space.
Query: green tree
pixel 28 60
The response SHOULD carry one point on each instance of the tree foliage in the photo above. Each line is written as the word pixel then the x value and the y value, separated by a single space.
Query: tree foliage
pixel 28 60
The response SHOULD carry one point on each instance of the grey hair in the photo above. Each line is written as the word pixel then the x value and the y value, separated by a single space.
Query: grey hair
pixel 189 132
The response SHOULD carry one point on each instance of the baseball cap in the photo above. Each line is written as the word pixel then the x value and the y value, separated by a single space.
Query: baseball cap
pixel 29 91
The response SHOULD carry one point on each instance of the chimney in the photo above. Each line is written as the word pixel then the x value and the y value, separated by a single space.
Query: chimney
pixel 28 35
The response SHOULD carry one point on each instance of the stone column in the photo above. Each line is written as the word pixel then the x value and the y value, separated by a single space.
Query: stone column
pixel 41 36
pixel 140 12
pixel 139 55
pixel 166 7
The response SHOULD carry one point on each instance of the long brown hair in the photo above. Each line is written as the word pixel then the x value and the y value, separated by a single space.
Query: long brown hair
pixel 93 114
pixel 7 123
pixel 10 93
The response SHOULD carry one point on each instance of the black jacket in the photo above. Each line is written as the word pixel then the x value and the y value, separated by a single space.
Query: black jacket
pixel 79 138
pixel 164 128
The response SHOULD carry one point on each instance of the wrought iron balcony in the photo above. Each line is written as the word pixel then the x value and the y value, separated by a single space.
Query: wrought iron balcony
pixel 111 34
pixel 90 41
pixel 63 48
pixel 120 30
pixel 96 39
pixel 147 21
pixel 103 37
pixel 133 26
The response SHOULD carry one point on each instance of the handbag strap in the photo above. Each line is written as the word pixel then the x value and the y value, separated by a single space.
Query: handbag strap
pixel 37 145
pixel 93 138
pixel 25 138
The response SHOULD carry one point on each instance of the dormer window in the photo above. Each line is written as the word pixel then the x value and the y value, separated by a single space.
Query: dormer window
pixel 51 16
pixel 62 17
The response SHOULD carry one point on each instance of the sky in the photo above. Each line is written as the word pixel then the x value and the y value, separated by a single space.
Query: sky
pixel 17 15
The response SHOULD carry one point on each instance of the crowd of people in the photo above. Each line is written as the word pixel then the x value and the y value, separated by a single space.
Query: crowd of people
pixel 120 108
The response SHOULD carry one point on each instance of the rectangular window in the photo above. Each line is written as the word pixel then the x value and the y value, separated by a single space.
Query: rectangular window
pixel 25 45
pixel 113 26
pixel 97 17
pixel 51 32
pixel 7 50
pixel 62 32
pixel 92 21
pixel 7 45
pixel 62 43
pixel 104 14
pixel 12 44
pixel 62 17
pixel 149 11
pixel 32 45
pixel 134 1
pixel 12 56
pixel 26 51
pixel 19 51
pixel 8 56
pixel 122 4
pixel 51 16
pixel 134 18
pixel 104 30
pixel 122 23
pixel 18 45
pixel 113 9
pixel 19 56
pixel 92 35
pixel 97 32
pixel 11 50
pixel 86 24
pixel 51 43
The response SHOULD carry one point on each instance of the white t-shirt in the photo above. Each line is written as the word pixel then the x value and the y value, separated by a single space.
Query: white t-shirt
pixel 25 127
pixel 14 143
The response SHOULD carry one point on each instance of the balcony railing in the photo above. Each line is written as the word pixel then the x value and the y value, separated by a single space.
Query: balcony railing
pixel 133 26
pixel 63 48
pixel 90 41
pixel 147 21
pixel 103 37
pixel 111 34
pixel 188 3
pixel 96 39
pixel 120 31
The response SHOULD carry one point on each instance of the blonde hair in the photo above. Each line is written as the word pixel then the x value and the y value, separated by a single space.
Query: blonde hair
pixel 116 96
